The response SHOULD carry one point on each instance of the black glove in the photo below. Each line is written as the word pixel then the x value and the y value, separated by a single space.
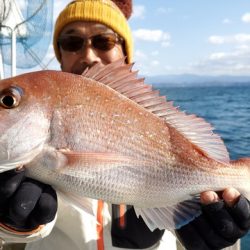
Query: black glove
pixel 25 203
pixel 218 226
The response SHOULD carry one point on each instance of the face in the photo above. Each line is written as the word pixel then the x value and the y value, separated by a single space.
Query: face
pixel 90 53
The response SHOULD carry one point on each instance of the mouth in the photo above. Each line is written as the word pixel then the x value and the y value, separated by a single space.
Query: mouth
pixel 81 68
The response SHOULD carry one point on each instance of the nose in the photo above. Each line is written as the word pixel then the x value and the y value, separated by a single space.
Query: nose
pixel 89 56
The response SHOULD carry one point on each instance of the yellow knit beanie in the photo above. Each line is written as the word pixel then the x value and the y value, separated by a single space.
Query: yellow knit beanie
pixel 102 11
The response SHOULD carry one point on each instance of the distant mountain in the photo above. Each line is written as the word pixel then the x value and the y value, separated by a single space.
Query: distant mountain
pixel 189 79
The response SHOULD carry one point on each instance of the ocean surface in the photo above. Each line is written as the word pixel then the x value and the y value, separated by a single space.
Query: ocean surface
pixel 227 108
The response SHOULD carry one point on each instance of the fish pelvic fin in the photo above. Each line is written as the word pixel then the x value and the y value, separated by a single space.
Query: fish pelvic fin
pixel 78 202
pixel 121 78
pixel 170 217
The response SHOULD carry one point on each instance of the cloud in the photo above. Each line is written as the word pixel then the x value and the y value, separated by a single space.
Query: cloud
pixel 238 38
pixel 241 53
pixel 155 63
pixel 139 55
pixel 165 43
pixel 235 62
pixel 226 21
pixel 216 39
pixel 146 63
pixel 155 53
pixel 59 6
pixel 243 47
pixel 22 4
pixel 139 11
pixel 152 36
pixel 140 58
pixel 168 67
pixel 217 56
pixel 246 18
pixel 163 10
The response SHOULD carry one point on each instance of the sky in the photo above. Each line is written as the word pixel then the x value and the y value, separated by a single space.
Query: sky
pixel 208 37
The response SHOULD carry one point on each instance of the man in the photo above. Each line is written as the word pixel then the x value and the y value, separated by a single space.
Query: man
pixel 89 32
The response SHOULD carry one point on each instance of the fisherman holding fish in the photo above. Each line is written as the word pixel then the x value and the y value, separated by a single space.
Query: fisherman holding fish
pixel 87 33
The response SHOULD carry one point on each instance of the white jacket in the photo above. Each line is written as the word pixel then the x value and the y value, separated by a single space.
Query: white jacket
pixel 75 229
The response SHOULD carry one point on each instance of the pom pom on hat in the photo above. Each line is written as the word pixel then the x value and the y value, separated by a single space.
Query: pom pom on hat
pixel 125 6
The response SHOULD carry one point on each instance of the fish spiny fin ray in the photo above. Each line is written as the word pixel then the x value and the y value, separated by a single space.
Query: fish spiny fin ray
pixel 170 217
pixel 122 79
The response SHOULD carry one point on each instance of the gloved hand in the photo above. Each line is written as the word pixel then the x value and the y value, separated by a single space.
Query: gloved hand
pixel 220 225
pixel 25 203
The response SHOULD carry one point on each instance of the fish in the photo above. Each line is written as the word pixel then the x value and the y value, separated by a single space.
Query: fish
pixel 108 135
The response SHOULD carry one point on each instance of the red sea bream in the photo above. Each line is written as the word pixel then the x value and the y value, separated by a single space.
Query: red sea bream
pixel 107 135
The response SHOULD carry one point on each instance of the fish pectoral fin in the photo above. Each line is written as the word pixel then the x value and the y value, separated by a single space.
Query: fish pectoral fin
pixel 87 159
pixel 170 217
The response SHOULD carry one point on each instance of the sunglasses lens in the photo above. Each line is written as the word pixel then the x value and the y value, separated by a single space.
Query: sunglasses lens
pixel 71 43
pixel 104 42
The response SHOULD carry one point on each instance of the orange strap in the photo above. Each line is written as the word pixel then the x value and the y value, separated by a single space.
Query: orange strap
pixel 122 211
pixel 15 231
pixel 99 227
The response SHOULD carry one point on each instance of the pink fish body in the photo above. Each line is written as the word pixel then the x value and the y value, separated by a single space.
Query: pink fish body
pixel 107 135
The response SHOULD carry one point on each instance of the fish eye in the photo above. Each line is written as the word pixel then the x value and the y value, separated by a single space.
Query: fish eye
pixel 10 98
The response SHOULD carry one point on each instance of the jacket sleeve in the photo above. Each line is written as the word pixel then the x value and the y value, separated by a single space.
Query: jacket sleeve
pixel 10 235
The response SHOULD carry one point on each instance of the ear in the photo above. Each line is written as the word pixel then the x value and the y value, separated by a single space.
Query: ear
pixel 60 59
pixel 59 53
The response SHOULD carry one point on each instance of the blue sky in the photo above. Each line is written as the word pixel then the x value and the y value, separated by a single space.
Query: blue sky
pixel 209 37
pixel 202 37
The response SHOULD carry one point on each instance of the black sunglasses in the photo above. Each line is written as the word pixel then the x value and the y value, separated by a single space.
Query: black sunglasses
pixel 104 42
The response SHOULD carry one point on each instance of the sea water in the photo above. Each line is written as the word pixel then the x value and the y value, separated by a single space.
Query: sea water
pixel 227 108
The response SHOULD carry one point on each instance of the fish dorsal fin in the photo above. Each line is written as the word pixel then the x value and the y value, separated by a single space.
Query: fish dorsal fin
pixel 98 70
pixel 122 79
